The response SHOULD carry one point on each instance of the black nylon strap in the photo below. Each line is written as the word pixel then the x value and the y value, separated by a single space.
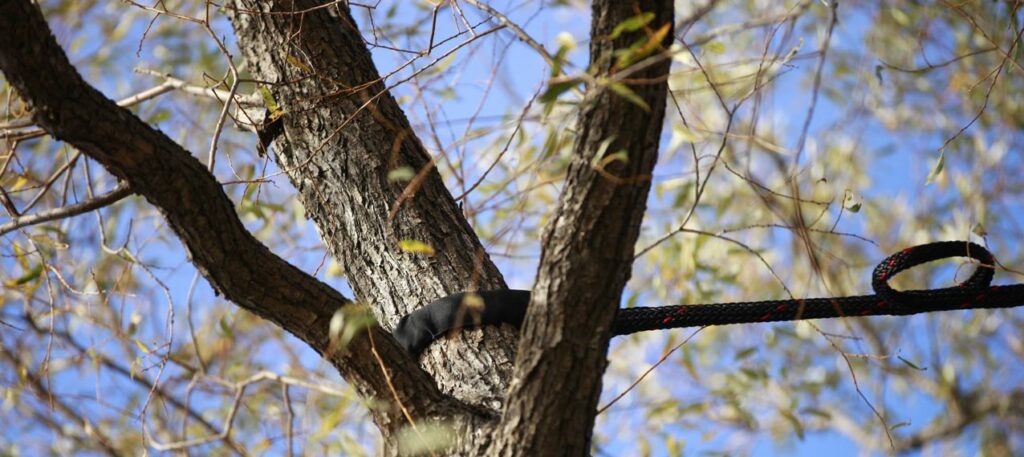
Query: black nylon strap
pixel 418 329
pixel 421 327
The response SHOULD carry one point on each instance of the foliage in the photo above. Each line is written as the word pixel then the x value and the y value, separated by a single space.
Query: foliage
pixel 779 177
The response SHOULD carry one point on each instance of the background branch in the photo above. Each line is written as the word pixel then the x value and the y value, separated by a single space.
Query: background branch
pixel 198 211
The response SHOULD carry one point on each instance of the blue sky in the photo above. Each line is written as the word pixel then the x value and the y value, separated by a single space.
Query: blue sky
pixel 899 173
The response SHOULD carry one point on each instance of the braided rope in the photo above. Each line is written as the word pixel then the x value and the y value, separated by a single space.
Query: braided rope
pixel 418 329
pixel 974 292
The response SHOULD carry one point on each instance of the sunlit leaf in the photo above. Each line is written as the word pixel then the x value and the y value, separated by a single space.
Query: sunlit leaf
pixel 416 247
pixel 715 47
pixel 401 174
pixel 425 438
pixel 940 163
pixel 851 202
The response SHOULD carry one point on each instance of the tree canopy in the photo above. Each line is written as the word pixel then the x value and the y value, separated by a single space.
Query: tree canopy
pixel 215 212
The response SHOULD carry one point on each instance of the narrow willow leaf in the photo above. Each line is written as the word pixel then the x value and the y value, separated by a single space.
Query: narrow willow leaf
pixel 625 92
pixel 558 86
pixel 632 24
pixel 401 174
pixel 937 169
pixel 416 247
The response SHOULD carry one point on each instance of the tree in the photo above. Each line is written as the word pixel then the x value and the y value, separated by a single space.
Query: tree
pixel 307 83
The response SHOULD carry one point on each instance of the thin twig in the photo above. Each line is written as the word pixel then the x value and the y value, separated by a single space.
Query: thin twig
pixel 504 20
pixel 53 178
pixel 648 371
pixel 119 193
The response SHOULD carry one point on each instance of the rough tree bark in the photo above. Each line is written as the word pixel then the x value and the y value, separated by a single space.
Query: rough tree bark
pixel 588 247
pixel 201 215
pixel 342 135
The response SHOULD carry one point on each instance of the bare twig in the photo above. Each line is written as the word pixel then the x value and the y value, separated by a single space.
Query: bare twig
pixel 253 100
pixel 114 196
pixel 12 129
pixel 934 66
pixel 648 371
pixel 504 20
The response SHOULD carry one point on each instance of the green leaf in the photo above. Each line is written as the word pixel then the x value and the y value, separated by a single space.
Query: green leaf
pixel 617 156
pixel 899 16
pixel 817 412
pixel 328 423
pixel 347 322
pixel 937 169
pixel 899 425
pixel 440 66
pixel 625 92
pixel 551 142
pixel 558 86
pixel 715 47
pixel 794 421
pixel 632 24
pixel 851 202
pixel 404 173
pixel 602 148
pixel 911 364
pixel 337 324
pixel 643 47
pixel 159 116
pixel 30 276
pixel 427 438
pixel 224 328
pixel 254 209
pixel 295 62
pixel 742 354
pixel 692 408
pixel 269 102
pixel 566 43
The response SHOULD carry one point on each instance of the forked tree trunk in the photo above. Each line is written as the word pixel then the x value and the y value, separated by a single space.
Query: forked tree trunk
pixel 342 135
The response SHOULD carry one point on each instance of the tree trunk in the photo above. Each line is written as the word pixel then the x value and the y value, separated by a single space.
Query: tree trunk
pixel 342 135
pixel 588 247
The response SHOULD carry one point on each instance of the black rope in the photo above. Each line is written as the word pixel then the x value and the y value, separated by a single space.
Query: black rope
pixel 418 329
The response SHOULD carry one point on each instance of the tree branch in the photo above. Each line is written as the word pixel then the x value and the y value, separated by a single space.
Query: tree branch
pixel 588 247
pixel 114 196
pixel 344 134
pixel 200 213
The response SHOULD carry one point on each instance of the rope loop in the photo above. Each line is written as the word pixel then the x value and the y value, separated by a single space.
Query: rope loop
pixel 416 330
pixel 917 255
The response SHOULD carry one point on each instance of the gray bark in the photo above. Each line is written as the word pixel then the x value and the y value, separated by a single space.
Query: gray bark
pixel 204 218
pixel 342 135
pixel 588 248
